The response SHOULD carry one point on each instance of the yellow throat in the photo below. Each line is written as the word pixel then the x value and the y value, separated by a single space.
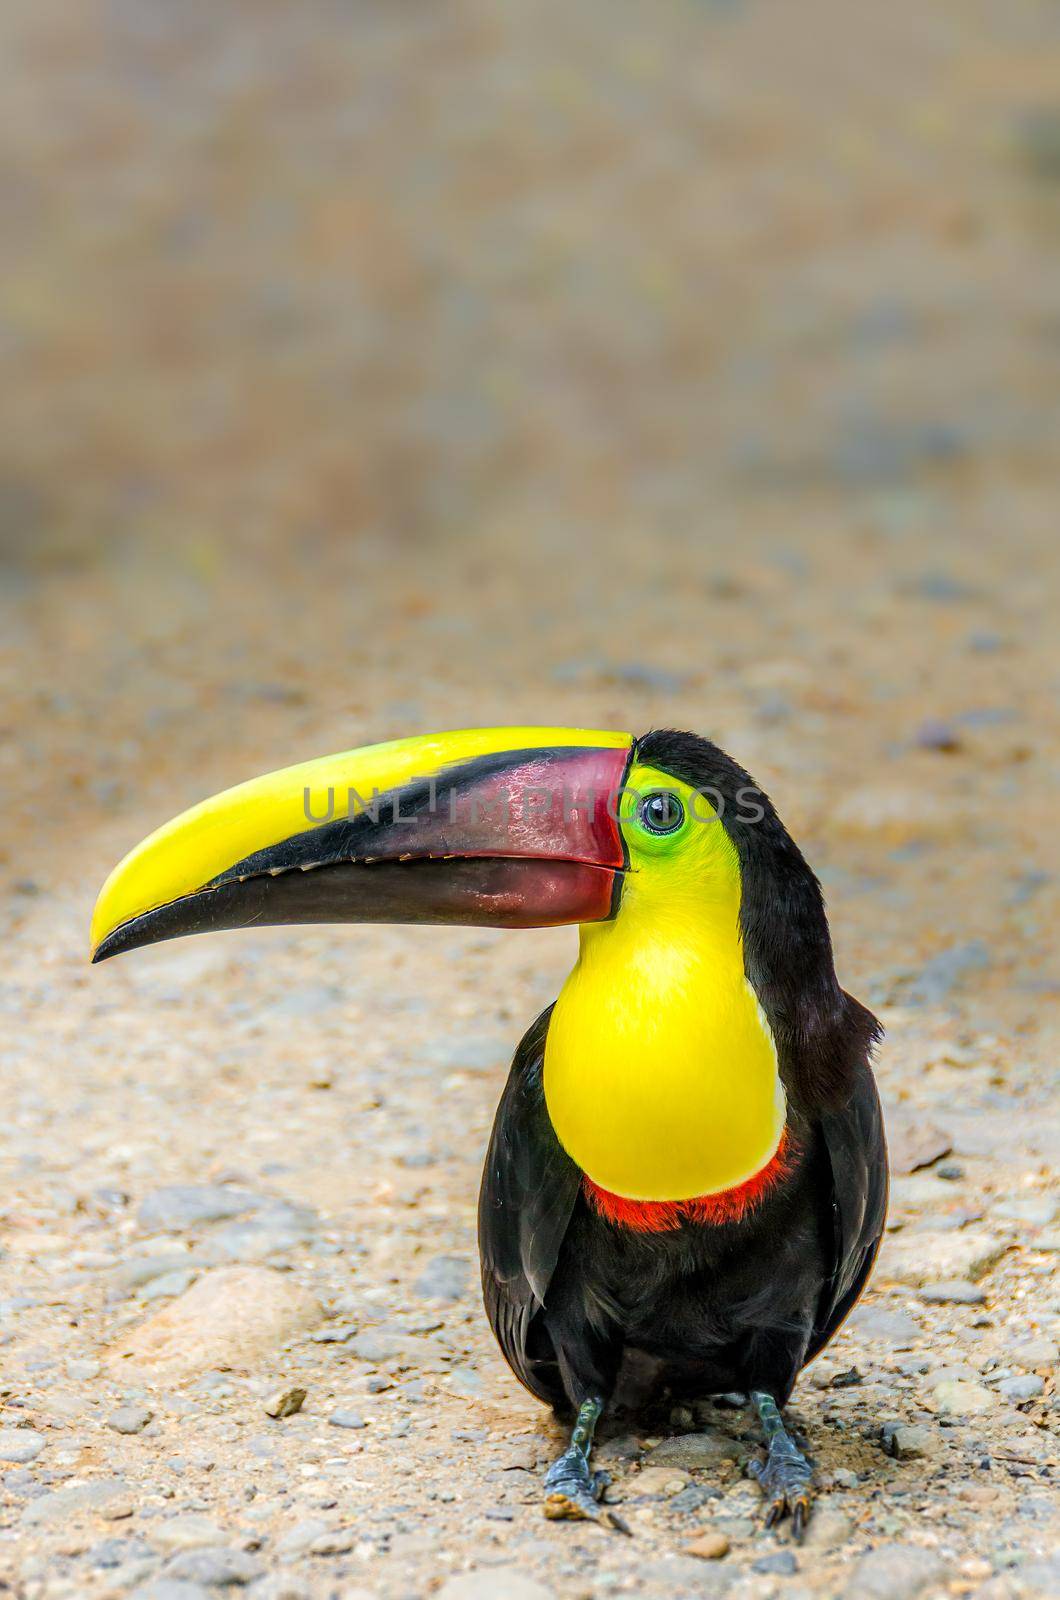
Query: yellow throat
pixel 660 1071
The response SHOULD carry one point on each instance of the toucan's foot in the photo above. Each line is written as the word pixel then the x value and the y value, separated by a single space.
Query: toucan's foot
pixel 785 1477
pixel 573 1492
pixel 787 1486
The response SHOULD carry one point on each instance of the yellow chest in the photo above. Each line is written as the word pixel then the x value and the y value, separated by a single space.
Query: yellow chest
pixel 660 1070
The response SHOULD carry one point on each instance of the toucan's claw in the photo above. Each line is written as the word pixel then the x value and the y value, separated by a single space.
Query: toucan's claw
pixel 563 1507
pixel 575 1494
pixel 784 1479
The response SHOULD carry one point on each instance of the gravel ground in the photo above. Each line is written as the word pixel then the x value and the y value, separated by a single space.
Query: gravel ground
pixel 398 368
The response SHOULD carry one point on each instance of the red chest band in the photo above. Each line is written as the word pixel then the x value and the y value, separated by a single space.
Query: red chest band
pixel 659 1216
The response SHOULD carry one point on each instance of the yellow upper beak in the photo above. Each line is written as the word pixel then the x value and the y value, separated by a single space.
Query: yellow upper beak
pixel 311 815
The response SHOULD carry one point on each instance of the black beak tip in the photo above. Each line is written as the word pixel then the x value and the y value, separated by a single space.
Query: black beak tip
pixel 113 945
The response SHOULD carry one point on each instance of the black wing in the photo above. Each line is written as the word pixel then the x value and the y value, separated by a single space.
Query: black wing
pixel 529 1188
pixel 857 1150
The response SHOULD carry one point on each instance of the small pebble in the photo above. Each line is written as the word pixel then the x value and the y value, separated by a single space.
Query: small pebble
pixel 783 1563
pixel 913 1441
pixel 296 1540
pixel 708 1546
pixel 952 1291
pixel 219 1567
pixel 130 1419
pixel 117 1510
pixel 1036 1351
pixel 933 734
pixel 83 1371
pixel 958 1397
pixel 828 1528
pixel 285 1403
pixel 336 1542
pixel 20 1445
pixel 186 1532
pixel 658 1482
pixel 693 1498
pixel 1023 1386
pixel 346 1419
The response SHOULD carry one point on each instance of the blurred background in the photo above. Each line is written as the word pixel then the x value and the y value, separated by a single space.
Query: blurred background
pixel 378 368
pixel 375 368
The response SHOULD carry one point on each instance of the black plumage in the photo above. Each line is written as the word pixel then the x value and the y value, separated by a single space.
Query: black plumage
pixel 739 1305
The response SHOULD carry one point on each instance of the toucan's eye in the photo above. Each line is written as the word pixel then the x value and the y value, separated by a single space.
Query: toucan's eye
pixel 661 812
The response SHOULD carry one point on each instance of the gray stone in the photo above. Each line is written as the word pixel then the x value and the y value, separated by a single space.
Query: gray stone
pixel 894 1572
pixel 214 1566
pixel 130 1419
pixel 1024 1386
pixel 273 1231
pixel 168 1284
pixel 934 734
pixel 692 1499
pixel 186 1532
pixel 141 1270
pixel 895 1328
pixel 184 1205
pixel 379 1344
pixel 912 1441
pixel 782 1562
pixel 736 1527
pixel 828 1528
pixel 696 1450
pixel 346 1419
pixel 335 1542
pixel 957 1397
pixel 944 1374
pixel 1036 1351
pixel 952 1291
pixel 83 1371
pixel 62 1505
pixel 20 1445
pixel 110 1553
pixel 295 1541
pixel 444 1278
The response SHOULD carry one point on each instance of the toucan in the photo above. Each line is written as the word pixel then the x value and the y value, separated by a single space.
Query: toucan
pixel 687 1175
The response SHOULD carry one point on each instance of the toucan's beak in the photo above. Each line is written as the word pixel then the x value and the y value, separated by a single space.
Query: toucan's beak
pixel 500 827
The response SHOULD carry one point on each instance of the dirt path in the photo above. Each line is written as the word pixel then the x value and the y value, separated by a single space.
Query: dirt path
pixel 413 367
